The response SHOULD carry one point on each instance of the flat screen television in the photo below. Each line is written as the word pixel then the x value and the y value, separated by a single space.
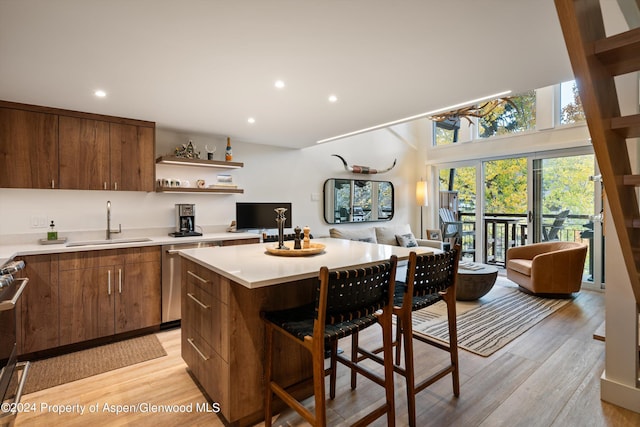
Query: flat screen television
pixel 260 215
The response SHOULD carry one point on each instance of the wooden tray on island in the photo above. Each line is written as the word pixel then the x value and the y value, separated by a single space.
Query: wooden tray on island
pixel 313 249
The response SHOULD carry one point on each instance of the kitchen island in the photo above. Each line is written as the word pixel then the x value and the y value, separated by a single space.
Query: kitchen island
pixel 224 290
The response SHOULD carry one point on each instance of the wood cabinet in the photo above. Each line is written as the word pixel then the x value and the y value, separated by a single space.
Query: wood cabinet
pixel 38 316
pixel 42 147
pixel 223 339
pixel 138 297
pixel 205 329
pixel 108 292
pixel 28 149
pixel 131 148
pixel 84 154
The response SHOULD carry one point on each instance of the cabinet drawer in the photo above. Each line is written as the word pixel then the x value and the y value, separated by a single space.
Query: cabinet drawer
pixel 210 282
pixel 208 367
pixel 206 316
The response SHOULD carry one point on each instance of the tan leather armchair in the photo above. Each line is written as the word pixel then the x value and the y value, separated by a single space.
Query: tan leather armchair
pixel 547 267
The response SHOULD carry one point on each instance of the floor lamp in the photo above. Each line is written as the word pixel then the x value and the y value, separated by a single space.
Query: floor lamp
pixel 422 200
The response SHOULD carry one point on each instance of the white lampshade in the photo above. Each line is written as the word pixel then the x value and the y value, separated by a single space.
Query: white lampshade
pixel 422 198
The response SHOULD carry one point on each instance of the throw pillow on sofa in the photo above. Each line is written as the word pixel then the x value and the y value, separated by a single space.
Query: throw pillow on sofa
pixel 406 240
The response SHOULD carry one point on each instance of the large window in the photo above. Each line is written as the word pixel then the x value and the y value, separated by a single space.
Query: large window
pixel 517 114
pixel 501 116
pixel 570 104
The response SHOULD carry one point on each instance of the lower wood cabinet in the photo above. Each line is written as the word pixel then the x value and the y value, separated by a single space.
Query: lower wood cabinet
pixel 205 328
pixel 223 339
pixel 37 313
pixel 108 292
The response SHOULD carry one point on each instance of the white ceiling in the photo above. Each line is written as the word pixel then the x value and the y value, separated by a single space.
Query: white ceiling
pixel 206 66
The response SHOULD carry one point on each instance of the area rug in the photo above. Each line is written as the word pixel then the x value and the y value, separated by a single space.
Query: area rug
pixel 62 369
pixel 487 325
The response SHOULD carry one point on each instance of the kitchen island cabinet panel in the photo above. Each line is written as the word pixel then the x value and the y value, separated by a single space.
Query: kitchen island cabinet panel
pixel 231 334
pixel 38 317
pixel 28 149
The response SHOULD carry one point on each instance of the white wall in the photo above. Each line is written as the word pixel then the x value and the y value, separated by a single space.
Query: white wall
pixel 269 174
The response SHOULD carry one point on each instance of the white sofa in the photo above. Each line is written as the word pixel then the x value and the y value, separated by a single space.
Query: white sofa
pixel 388 235
pixel 395 235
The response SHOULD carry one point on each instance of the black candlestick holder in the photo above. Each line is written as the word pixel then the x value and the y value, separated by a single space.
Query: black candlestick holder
pixel 280 219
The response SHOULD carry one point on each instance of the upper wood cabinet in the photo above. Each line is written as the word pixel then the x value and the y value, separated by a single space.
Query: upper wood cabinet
pixel 84 154
pixel 28 149
pixel 42 147
pixel 131 148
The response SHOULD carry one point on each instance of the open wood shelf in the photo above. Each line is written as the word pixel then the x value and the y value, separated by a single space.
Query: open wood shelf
pixel 172 160
pixel 199 190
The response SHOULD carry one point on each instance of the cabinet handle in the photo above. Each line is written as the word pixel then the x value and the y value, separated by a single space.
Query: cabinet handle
pixel 190 341
pixel 196 276
pixel 120 280
pixel 115 185
pixel 200 303
pixel 53 183
pixel 109 282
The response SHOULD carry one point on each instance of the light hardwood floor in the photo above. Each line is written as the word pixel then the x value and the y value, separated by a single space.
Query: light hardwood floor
pixel 547 377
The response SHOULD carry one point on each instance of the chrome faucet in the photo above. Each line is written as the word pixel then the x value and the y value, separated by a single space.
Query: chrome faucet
pixel 109 230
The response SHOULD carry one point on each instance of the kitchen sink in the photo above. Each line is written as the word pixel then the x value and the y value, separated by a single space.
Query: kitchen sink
pixel 108 242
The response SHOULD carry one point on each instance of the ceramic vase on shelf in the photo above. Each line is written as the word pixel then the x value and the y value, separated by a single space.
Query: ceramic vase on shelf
pixel 228 154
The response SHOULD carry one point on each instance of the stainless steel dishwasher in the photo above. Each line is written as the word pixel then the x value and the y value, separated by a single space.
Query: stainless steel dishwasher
pixel 171 277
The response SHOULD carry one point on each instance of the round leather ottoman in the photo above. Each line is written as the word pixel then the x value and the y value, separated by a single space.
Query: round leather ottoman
pixel 475 283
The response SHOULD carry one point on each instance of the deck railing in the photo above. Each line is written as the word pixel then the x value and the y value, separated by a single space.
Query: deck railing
pixel 577 228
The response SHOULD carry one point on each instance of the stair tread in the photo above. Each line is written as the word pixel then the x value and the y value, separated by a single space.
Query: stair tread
pixel 620 52
pixel 631 180
pixel 626 126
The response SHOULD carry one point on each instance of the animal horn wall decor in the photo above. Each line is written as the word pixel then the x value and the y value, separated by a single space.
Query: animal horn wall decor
pixel 363 169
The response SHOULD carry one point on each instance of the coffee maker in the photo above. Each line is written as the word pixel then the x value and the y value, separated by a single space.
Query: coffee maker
pixel 185 221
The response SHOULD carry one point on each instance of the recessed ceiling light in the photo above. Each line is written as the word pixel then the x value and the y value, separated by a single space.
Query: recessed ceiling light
pixel 333 98
pixel 100 93
pixel 251 120
pixel 279 84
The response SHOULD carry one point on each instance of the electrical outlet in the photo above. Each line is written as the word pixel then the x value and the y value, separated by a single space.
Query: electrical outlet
pixel 38 221
pixel 315 197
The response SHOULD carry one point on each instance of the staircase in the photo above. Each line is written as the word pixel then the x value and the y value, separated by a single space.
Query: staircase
pixel 596 59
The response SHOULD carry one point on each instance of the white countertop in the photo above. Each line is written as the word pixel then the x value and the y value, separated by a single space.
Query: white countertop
pixel 253 267
pixel 8 252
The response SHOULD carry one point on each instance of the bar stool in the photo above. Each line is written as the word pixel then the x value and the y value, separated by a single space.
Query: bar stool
pixel 347 301
pixel 430 278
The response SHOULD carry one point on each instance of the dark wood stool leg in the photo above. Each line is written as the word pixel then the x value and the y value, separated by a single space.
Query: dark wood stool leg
pixel 398 339
pixel 387 344
pixel 333 367
pixel 407 335
pixel 318 384
pixel 268 394
pixel 354 358
pixel 450 299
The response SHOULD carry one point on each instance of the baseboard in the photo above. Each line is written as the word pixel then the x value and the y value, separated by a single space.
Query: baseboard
pixel 619 394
